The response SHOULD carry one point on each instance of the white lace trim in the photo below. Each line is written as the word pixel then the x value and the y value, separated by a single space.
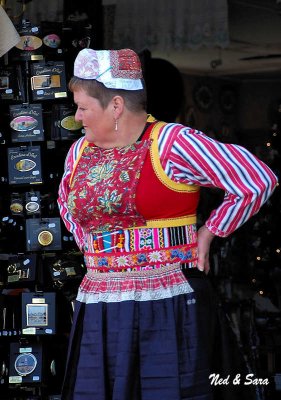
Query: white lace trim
pixel 144 295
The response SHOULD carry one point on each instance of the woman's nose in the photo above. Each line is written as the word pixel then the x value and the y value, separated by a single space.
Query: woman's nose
pixel 77 116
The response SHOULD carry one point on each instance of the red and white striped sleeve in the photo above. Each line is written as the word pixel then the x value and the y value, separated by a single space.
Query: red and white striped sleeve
pixel 191 157
pixel 64 188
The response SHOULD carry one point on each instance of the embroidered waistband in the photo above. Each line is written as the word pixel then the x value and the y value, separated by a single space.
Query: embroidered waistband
pixel 169 222
pixel 110 262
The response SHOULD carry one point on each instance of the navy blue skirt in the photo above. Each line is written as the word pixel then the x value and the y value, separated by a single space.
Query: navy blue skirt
pixel 143 350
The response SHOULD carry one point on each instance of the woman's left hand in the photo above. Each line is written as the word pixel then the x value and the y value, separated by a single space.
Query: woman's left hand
pixel 205 238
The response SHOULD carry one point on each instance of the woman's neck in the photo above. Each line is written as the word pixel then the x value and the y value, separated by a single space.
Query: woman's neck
pixel 129 129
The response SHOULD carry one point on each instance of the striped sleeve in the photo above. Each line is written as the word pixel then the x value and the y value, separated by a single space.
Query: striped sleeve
pixel 64 188
pixel 189 156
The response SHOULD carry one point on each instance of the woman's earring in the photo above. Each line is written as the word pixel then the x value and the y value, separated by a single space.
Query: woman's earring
pixel 116 125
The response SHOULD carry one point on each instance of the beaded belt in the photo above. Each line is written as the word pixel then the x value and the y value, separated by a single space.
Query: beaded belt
pixel 124 261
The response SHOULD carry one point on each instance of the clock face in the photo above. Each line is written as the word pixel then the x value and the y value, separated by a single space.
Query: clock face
pixel 203 97
pixel 25 364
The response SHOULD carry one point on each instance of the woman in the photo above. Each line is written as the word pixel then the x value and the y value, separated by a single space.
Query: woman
pixel 142 330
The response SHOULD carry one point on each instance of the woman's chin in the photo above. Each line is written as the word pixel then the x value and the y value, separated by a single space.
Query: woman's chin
pixel 88 135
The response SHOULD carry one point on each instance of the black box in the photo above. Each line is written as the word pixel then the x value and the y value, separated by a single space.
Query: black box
pixel 48 80
pixel 25 363
pixel 64 126
pixel 43 234
pixel 30 44
pixel 24 165
pixel 21 270
pixel 32 203
pixel 26 123
pixel 11 83
pixel 38 313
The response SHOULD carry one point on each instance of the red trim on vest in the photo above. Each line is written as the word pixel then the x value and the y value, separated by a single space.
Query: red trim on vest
pixel 154 200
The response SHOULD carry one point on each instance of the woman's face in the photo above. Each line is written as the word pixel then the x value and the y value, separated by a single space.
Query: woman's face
pixel 97 121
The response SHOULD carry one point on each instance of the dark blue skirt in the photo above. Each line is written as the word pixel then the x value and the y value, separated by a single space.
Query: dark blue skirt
pixel 147 350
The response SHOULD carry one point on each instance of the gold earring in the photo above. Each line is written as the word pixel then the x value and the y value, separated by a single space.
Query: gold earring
pixel 116 125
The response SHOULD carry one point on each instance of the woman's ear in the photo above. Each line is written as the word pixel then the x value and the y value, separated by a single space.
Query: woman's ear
pixel 118 106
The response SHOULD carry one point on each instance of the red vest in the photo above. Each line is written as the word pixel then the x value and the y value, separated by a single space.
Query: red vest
pixel 157 196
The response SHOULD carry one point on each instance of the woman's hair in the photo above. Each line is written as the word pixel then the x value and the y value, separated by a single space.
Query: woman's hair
pixel 135 100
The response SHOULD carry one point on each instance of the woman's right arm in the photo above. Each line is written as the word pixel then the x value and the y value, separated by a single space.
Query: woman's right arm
pixel 64 189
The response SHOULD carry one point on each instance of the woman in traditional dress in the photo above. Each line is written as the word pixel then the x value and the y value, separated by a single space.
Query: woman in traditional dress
pixel 144 315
